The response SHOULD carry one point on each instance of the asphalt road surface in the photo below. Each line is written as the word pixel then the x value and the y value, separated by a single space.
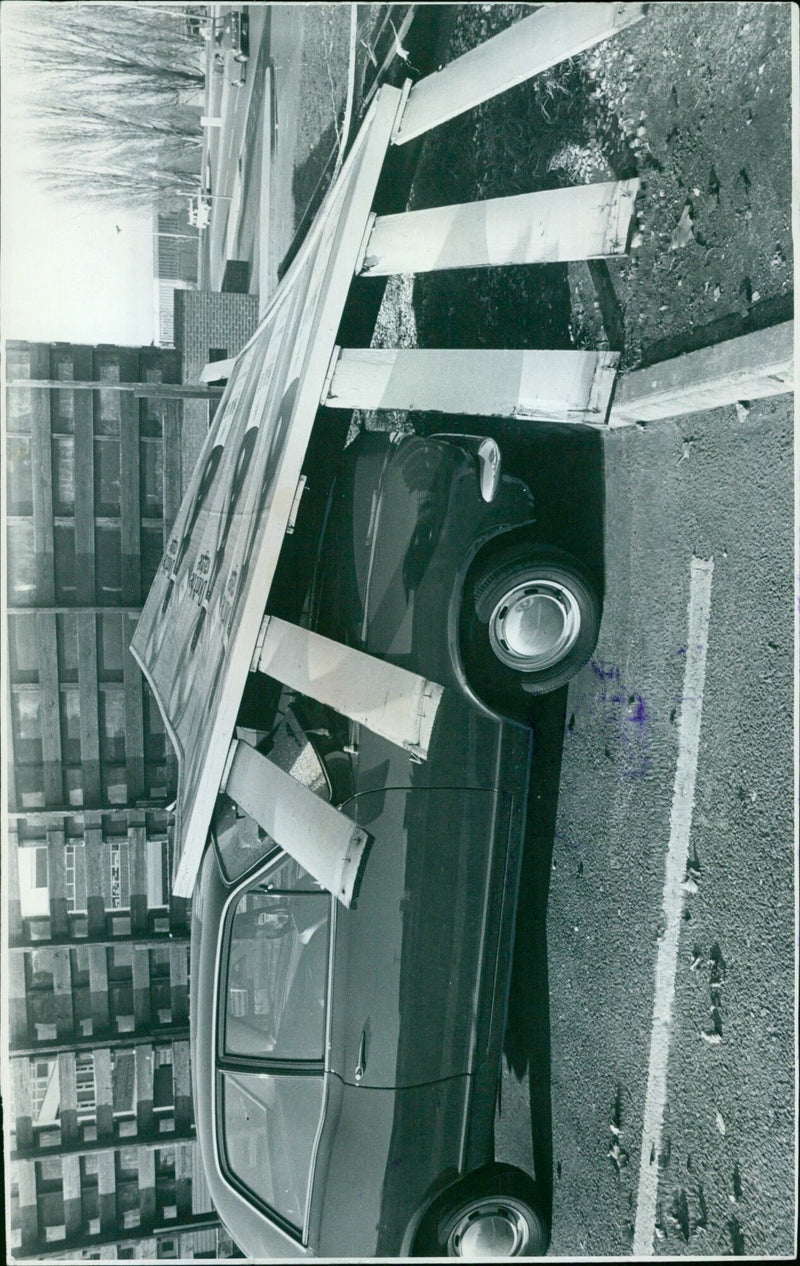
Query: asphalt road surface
pixel 716 486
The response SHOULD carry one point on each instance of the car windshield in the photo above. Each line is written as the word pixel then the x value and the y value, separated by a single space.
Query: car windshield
pixel 270 1124
pixel 277 968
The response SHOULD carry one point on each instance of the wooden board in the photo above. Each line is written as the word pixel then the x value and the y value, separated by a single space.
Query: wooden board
pixel 393 702
pixel 323 840
pixel 199 626
pixel 17 1002
pixel 551 35
pixel 42 476
pixel 171 428
pixel 28 1204
pixel 14 923
pixel 83 409
pixel 68 1096
pixel 548 386
pixel 182 1085
pixel 129 495
pixel 141 988
pixel 57 885
pixel 22 1103
pixel 134 716
pixel 585 222
pixel 746 368
pixel 137 852
pixel 144 1087
pixel 179 982
pixel 95 899
pixel 85 562
pixel 63 1012
pixel 98 987
pixel 50 708
pixel 89 710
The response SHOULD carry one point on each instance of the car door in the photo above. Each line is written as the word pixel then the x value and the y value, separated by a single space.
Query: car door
pixel 413 963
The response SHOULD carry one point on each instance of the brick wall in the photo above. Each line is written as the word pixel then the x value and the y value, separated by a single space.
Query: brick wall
pixel 206 319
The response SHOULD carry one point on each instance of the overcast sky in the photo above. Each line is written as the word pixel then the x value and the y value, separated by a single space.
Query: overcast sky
pixel 66 273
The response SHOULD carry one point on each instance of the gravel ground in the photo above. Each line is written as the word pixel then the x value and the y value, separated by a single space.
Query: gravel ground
pixel 695 101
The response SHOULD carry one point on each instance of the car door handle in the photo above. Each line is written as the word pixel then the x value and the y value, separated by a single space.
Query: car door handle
pixel 361 1066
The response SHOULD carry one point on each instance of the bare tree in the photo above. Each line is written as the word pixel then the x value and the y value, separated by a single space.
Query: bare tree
pixel 120 186
pixel 109 86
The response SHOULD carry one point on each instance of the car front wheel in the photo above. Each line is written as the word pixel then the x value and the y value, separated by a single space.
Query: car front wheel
pixel 530 620
pixel 489 1215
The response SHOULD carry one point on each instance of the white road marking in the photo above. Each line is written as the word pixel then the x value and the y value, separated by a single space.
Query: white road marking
pixel 702 572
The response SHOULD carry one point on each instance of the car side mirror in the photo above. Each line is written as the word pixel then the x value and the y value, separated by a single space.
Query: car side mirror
pixel 489 463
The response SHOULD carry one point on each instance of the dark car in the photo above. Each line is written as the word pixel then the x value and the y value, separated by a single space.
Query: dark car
pixel 345 1060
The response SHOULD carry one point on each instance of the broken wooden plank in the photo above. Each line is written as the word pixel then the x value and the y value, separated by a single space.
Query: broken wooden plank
pixel 551 35
pixel 548 386
pixel 585 222
pixel 750 367
pixel 214 370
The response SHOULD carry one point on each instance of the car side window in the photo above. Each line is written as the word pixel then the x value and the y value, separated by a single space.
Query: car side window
pixel 277 968
pixel 269 1127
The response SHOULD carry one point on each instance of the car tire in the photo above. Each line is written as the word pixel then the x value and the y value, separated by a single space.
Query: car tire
pixel 490 1214
pixel 530 620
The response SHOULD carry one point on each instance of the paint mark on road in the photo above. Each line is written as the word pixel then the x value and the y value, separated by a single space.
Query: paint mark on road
pixel 627 723
pixel 674 895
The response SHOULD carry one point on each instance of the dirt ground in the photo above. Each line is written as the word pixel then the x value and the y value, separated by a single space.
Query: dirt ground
pixel 695 100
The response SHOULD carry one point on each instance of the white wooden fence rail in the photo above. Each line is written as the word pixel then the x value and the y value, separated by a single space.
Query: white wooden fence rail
pixel 584 222
pixel 552 386
pixel 549 36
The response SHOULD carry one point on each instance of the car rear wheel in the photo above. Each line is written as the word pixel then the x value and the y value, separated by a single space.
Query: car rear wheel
pixel 530 620
pixel 489 1215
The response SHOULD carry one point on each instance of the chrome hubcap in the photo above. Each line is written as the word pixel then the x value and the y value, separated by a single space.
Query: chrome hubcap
pixel 489 1229
pixel 534 625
